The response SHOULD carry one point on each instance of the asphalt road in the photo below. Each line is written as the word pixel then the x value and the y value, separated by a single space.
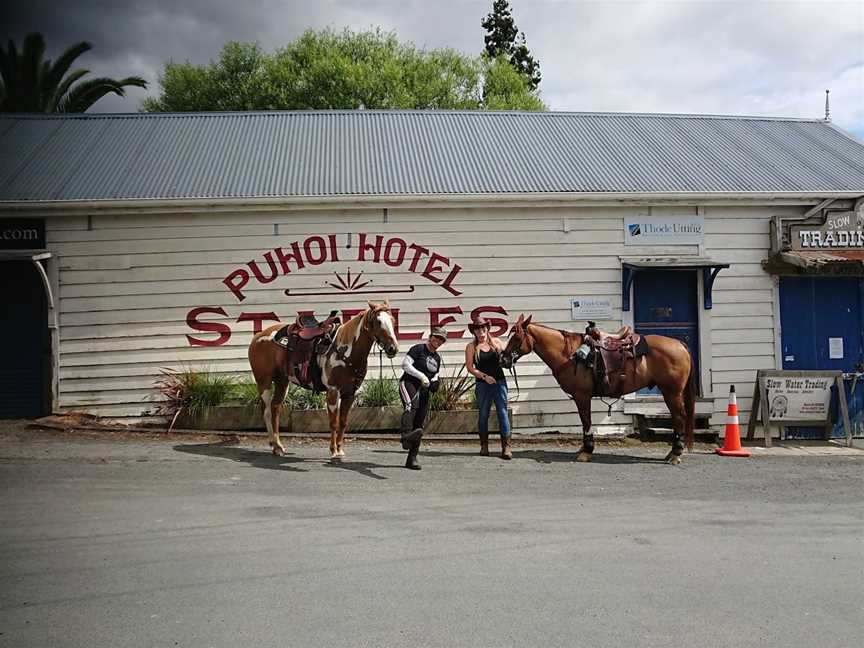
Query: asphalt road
pixel 185 542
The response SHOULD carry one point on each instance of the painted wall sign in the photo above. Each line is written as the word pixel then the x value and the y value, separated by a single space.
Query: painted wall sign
pixel 799 399
pixel 841 231
pixel 643 229
pixel 412 261
pixel 22 233
pixel 590 308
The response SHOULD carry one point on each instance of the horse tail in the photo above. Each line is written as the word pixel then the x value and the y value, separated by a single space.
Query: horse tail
pixel 690 406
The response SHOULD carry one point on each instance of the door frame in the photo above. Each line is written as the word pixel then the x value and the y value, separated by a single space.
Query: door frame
pixel 49 274
pixel 704 333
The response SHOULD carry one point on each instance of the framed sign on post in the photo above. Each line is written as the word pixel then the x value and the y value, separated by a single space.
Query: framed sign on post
pixel 785 398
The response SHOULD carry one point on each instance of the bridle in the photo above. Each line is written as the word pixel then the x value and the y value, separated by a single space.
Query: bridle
pixel 517 353
pixel 369 325
pixel 358 372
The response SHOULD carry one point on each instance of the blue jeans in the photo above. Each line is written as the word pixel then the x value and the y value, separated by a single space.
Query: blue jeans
pixel 485 395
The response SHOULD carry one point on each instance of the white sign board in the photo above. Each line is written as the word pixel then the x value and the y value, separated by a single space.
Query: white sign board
pixel 664 230
pixel 799 399
pixel 591 308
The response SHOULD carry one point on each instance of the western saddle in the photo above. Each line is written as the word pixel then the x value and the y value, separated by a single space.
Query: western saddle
pixel 304 339
pixel 610 352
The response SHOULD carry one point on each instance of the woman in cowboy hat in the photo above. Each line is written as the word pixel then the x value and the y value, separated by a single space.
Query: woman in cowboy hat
pixel 483 361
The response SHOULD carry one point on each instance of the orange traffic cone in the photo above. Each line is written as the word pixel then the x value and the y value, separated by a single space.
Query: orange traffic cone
pixel 732 441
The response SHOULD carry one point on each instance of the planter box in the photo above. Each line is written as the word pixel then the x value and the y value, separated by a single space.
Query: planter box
pixel 227 417
pixel 460 421
pixel 360 419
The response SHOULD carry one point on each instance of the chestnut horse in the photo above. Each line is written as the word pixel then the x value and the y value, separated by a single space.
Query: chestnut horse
pixel 667 365
pixel 343 367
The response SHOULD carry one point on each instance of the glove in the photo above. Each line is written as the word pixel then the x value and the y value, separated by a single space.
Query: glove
pixel 425 382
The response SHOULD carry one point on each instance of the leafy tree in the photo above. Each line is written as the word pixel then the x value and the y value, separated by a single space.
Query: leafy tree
pixel 30 83
pixel 507 89
pixel 504 39
pixel 339 70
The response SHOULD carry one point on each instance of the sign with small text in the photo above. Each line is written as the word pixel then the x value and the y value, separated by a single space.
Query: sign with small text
pixel 787 398
pixel 799 399
pixel 664 230
pixel 591 308
pixel 840 231
pixel 22 234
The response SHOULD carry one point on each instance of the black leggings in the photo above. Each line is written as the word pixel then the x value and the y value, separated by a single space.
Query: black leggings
pixel 415 400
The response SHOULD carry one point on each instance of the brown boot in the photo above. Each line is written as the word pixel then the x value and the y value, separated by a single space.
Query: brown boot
pixel 484 445
pixel 506 448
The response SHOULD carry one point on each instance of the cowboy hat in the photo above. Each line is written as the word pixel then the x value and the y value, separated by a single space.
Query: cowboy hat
pixel 478 323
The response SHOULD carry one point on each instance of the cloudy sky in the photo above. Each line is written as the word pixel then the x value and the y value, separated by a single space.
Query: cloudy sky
pixel 745 57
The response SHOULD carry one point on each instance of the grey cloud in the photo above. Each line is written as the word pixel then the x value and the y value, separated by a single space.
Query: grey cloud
pixel 674 56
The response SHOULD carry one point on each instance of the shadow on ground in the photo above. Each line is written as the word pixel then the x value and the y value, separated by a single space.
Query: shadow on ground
pixel 266 459
pixel 539 455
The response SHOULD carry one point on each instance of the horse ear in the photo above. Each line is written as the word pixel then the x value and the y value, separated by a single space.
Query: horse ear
pixel 371 304
pixel 386 303
pixel 528 321
pixel 520 320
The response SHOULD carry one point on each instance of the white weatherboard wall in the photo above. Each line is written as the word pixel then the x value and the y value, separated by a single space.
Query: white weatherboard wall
pixel 128 283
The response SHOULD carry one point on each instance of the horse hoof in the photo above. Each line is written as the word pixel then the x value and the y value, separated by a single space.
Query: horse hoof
pixel 278 452
pixel 583 457
pixel 674 460
pixel 335 458
pixel 340 453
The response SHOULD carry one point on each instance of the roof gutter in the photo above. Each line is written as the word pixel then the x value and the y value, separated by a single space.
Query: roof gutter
pixel 562 199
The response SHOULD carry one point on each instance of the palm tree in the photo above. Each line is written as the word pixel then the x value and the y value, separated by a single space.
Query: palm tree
pixel 30 84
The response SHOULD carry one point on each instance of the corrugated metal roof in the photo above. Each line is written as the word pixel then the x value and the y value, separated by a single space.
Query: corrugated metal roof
pixel 411 153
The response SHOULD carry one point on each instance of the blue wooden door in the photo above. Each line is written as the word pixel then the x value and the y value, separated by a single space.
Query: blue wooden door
pixel 813 312
pixel 666 303
pixel 25 368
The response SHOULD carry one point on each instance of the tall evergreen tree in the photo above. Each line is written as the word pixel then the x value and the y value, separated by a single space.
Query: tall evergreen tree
pixel 503 38
pixel 30 83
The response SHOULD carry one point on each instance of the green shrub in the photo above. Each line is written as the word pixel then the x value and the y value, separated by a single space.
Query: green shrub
pixel 378 392
pixel 455 393
pixel 191 391
pixel 297 398
pixel 245 393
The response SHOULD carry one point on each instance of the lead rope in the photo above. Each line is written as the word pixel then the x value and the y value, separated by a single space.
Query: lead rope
pixel 515 378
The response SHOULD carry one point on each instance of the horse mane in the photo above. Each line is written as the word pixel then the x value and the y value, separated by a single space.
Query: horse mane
pixel 348 331
pixel 566 334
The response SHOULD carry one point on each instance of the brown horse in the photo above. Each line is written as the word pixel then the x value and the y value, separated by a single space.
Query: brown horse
pixel 667 365
pixel 343 367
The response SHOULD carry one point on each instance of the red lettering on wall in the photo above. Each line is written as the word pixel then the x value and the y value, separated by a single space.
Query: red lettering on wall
pixel 433 266
pixel 363 247
pixel 435 319
pixel 394 252
pixel 223 330
pixel 258 320
pixel 419 251
pixel 348 313
pixel 253 266
pixel 316 251
pixel 449 280
pixel 294 256
pixel 499 326
pixel 403 335
pixel 235 281
pixel 438 316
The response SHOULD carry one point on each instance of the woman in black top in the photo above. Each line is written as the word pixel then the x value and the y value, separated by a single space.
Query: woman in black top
pixel 421 366
pixel 483 361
